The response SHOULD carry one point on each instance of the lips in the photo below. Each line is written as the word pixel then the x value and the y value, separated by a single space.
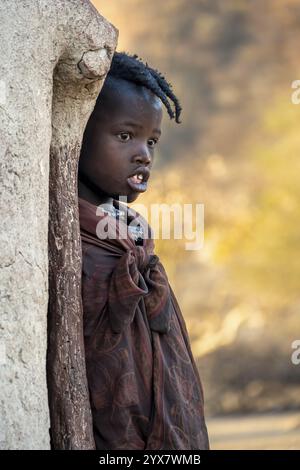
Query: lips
pixel 138 180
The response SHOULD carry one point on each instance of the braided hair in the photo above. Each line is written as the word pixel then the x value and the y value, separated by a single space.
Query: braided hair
pixel 131 68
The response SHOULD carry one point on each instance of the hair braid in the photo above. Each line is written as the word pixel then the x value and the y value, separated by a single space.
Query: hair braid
pixel 131 68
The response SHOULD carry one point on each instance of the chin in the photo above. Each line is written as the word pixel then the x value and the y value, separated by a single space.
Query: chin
pixel 132 197
pixel 127 197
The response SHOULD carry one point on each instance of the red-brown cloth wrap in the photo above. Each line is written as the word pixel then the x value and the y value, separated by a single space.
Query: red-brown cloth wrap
pixel 145 388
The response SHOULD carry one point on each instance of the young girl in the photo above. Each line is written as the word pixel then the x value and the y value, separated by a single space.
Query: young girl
pixel 145 390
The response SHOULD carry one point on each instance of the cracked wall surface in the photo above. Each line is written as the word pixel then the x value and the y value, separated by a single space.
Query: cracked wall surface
pixel 36 38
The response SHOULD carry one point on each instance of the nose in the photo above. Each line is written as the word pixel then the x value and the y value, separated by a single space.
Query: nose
pixel 143 156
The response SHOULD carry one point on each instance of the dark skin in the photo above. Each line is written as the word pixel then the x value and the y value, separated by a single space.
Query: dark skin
pixel 112 151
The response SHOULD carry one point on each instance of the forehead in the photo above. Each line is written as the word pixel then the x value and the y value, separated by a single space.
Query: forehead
pixel 123 98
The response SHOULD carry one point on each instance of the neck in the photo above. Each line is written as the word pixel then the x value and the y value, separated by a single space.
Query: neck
pixel 88 191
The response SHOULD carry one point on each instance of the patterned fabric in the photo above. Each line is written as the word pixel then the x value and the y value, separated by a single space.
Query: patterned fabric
pixel 145 389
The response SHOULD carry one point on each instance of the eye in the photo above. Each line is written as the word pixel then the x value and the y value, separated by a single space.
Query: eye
pixel 152 142
pixel 124 136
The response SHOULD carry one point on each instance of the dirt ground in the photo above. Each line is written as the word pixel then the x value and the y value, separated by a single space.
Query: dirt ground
pixel 255 432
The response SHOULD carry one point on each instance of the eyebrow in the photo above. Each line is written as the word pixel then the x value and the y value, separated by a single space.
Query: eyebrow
pixel 138 126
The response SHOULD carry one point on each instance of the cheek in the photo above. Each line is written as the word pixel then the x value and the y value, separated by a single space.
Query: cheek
pixel 102 157
pixel 110 171
pixel 111 151
pixel 109 161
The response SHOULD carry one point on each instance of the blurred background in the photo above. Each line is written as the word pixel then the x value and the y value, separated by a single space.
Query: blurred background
pixel 236 151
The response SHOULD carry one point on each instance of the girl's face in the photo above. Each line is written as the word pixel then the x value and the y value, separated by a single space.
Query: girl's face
pixel 119 142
